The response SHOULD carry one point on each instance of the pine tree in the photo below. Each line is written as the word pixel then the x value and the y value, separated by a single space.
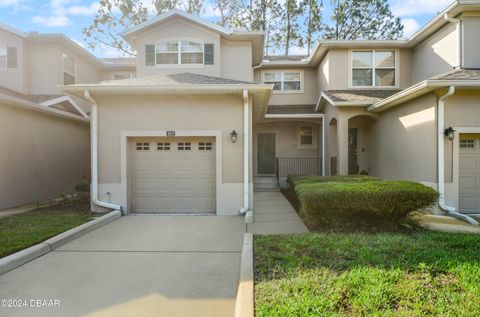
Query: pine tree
pixel 366 19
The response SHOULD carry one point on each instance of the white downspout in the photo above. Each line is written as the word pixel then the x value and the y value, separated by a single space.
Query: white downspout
pixel 94 142
pixel 441 160
pixel 324 137
pixel 246 160
pixel 459 52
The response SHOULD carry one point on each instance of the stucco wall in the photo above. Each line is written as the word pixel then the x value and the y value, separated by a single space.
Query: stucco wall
pixel 236 60
pixel 13 78
pixel 43 157
pixel 471 43
pixel 171 112
pixel 403 141
pixel 45 68
pixel 435 55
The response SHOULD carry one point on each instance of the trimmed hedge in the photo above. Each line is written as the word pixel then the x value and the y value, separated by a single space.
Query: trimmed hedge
pixel 334 202
pixel 294 181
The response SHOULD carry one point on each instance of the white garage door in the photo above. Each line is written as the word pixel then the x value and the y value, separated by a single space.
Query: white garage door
pixel 173 175
pixel 469 177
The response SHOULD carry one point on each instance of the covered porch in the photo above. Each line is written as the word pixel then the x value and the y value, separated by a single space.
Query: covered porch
pixel 287 140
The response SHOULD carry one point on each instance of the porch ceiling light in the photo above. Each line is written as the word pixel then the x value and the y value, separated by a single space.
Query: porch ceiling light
pixel 233 136
pixel 450 133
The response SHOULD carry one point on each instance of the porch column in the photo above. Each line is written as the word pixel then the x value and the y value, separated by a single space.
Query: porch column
pixel 342 138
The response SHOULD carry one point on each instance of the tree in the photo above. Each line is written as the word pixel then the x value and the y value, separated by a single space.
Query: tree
pixel 366 19
pixel 260 15
pixel 290 31
pixel 115 16
pixel 190 6
pixel 313 23
pixel 229 10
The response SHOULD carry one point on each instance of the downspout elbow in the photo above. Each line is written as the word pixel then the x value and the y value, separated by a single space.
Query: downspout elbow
pixel 94 144
pixel 451 211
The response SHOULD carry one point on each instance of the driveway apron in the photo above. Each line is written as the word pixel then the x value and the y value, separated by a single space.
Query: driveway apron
pixel 139 265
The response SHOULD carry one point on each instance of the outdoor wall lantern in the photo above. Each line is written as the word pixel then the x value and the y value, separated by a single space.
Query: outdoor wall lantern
pixel 450 133
pixel 233 136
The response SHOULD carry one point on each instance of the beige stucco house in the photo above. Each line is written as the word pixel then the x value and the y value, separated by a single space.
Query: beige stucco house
pixel 200 120
pixel 45 134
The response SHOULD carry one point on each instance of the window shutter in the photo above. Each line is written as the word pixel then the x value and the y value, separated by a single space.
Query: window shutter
pixel 149 55
pixel 208 54
pixel 12 57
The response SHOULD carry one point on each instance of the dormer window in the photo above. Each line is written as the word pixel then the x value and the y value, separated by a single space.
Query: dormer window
pixel 374 68
pixel 179 53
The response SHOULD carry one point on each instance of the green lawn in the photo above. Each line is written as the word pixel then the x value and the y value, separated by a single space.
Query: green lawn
pixel 390 274
pixel 24 230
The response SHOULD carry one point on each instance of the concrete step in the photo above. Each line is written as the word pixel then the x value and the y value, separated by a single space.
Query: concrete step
pixel 269 183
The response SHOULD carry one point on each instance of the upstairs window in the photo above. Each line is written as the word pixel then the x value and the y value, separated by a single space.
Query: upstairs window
pixel 373 68
pixel 179 53
pixel 290 81
pixel 69 70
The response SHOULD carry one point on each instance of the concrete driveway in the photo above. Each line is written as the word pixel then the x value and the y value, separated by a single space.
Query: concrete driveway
pixel 141 265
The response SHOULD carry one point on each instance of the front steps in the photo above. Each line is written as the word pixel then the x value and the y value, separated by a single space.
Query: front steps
pixel 266 184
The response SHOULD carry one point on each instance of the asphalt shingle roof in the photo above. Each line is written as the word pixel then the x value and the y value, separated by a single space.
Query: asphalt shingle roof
pixel 291 109
pixel 460 74
pixel 176 79
pixel 359 95
pixel 31 98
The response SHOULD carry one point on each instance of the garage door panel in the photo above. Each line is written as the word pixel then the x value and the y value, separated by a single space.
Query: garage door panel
pixel 173 180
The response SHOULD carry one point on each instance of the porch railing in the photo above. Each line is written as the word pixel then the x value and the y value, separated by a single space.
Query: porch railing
pixel 304 166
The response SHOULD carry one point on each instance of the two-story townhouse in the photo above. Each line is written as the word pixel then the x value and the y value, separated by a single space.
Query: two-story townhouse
pixel 207 115
pixel 45 133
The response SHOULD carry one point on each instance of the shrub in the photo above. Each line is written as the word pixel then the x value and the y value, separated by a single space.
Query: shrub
pixel 335 202
pixel 294 181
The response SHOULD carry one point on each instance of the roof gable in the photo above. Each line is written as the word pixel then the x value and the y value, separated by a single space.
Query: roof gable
pixel 170 15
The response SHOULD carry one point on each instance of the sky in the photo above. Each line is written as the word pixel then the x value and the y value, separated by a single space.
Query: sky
pixel 70 16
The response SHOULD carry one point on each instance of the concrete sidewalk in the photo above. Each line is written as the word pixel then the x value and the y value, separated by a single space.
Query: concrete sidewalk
pixel 137 265
pixel 273 214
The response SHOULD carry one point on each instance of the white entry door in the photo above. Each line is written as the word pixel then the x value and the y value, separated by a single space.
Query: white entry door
pixel 173 175
pixel 469 173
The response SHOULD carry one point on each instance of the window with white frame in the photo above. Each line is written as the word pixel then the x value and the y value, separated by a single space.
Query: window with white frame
pixel 3 57
pixel 69 70
pixel 373 68
pixel 305 136
pixel 179 52
pixel 284 81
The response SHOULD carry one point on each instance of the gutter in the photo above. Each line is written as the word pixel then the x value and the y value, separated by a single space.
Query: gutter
pixel 246 146
pixel 94 141
pixel 441 161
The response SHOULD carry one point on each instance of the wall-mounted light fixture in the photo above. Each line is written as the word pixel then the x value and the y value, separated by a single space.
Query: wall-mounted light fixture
pixel 233 136
pixel 450 133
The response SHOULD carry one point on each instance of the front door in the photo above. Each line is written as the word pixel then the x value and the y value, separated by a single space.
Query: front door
pixel 266 153
pixel 352 151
